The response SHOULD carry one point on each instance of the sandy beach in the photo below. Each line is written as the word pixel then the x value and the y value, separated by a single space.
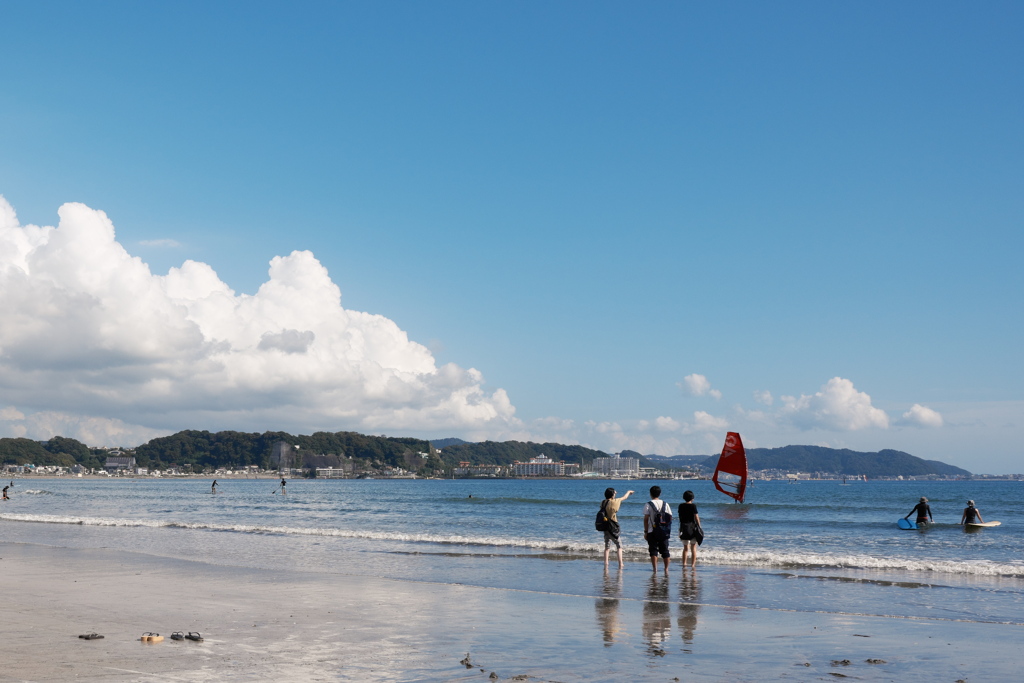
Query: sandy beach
pixel 264 625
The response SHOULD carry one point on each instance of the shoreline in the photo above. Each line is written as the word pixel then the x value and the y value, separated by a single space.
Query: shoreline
pixel 290 625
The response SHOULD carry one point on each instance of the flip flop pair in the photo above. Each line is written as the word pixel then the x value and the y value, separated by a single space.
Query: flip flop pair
pixel 148 637
pixel 192 635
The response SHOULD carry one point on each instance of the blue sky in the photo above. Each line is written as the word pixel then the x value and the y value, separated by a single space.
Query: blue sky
pixel 571 206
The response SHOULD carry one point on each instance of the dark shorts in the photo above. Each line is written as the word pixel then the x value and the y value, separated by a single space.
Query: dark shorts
pixel 611 539
pixel 657 544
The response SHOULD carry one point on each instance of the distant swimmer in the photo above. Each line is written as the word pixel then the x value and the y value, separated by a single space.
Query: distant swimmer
pixel 213 489
pixel 972 515
pixel 924 512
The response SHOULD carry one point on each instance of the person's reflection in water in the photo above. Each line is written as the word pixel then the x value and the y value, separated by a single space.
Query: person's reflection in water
pixel 657 617
pixel 689 605
pixel 607 607
pixel 734 593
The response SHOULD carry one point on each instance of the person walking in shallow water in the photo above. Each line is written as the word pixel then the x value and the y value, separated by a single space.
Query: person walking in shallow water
pixel 689 527
pixel 972 515
pixel 611 533
pixel 924 513
pixel 213 488
pixel 6 498
pixel 657 528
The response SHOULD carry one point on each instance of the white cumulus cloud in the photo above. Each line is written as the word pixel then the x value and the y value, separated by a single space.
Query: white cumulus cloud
pixel 920 416
pixel 94 343
pixel 764 397
pixel 698 385
pixel 837 406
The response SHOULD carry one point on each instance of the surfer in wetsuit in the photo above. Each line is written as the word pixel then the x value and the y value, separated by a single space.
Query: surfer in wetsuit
pixel 5 492
pixel 213 488
pixel 972 515
pixel 689 526
pixel 924 512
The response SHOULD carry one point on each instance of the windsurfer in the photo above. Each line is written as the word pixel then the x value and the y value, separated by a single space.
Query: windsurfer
pixel 690 532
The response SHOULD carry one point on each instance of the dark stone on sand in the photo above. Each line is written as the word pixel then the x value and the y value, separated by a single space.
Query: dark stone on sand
pixel 465 662
pixel 841 662
pixel 494 675
pixel 875 661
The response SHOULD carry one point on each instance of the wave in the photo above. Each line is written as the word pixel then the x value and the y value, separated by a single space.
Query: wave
pixel 749 558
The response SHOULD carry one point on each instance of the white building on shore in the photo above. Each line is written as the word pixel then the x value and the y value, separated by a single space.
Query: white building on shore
pixel 616 466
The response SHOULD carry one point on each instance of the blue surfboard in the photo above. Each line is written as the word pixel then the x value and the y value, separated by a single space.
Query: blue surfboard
pixel 906 524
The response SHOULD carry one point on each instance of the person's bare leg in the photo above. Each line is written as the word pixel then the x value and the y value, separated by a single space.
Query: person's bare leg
pixel 621 564
pixel 693 555
pixel 654 563
pixel 666 559
pixel 606 551
pixel 685 546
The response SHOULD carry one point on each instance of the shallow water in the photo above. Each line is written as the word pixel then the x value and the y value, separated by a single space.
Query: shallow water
pixel 812 546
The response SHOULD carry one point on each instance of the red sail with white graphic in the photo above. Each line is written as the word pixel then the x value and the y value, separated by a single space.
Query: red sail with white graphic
pixel 731 473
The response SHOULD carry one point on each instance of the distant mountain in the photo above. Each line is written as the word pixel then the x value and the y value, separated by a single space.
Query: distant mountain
pixel 445 443
pixel 842 461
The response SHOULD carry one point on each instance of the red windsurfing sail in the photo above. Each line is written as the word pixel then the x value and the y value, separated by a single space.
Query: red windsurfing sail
pixel 731 471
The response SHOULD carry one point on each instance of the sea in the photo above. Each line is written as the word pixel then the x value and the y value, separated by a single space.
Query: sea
pixel 815 546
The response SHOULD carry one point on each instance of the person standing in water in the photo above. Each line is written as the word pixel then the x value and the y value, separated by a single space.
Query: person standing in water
pixel 5 493
pixel 657 528
pixel 972 515
pixel 924 513
pixel 689 526
pixel 213 488
pixel 610 506
pixel 283 483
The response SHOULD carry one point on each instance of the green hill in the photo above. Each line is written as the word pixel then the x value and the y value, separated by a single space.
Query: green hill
pixel 840 461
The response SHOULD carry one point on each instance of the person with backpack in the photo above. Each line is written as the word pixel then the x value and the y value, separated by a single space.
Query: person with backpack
pixel 608 522
pixel 657 528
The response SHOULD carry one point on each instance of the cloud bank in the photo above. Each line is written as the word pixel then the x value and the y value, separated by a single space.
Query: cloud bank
pixel 96 346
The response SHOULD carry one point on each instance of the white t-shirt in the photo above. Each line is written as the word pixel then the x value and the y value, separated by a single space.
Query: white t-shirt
pixel 652 508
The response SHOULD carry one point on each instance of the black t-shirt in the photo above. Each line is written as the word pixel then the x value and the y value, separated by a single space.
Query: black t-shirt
pixel 922 510
pixel 970 515
pixel 687 513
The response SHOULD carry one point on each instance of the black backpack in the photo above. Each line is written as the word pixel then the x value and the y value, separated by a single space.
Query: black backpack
pixel 601 522
pixel 662 520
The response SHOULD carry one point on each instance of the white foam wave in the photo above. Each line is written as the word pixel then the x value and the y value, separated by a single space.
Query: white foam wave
pixel 752 558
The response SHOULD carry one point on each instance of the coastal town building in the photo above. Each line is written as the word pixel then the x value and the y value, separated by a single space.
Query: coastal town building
pixel 119 462
pixel 616 466
pixel 466 470
pixel 541 466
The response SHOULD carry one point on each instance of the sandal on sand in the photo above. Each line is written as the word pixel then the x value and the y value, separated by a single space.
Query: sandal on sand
pixel 90 636
pixel 192 635
pixel 149 637
pixel 177 635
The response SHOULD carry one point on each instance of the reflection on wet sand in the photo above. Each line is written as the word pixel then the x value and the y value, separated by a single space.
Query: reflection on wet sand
pixel 657 617
pixel 607 607
pixel 689 605
pixel 734 591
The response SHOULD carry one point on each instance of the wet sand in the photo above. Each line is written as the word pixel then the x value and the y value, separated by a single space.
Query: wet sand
pixel 263 625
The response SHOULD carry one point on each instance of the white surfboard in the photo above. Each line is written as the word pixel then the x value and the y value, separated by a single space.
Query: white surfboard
pixel 981 524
